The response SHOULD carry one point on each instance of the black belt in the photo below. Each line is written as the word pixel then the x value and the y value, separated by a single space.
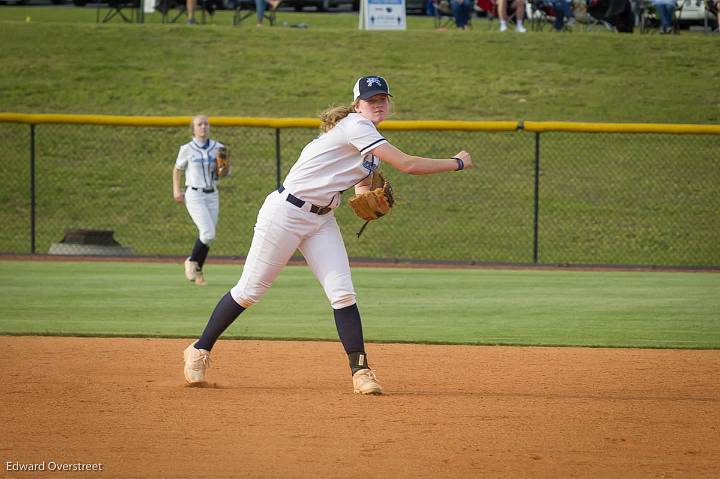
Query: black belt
pixel 318 210
pixel 204 190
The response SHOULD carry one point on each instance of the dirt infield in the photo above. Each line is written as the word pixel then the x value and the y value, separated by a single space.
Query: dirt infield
pixel 286 409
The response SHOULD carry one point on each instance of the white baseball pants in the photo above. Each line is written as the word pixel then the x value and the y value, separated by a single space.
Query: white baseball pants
pixel 283 228
pixel 203 209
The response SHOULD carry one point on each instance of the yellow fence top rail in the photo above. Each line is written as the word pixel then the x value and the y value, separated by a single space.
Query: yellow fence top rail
pixel 170 121
pixel 560 126
pixel 434 125
pixel 431 125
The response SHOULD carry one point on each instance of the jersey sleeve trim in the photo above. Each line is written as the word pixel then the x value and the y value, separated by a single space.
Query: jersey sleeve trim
pixel 372 145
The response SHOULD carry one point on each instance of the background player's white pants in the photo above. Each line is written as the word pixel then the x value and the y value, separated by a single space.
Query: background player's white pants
pixel 283 228
pixel 203 209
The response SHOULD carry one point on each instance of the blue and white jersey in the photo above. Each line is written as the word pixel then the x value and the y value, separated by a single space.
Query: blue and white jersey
pixel 335 161
pixel 198 161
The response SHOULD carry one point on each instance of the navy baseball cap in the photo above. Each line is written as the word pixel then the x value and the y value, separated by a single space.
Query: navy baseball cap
pixel 369 86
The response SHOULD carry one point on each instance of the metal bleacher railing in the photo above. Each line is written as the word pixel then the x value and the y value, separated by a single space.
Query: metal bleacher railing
pixel 542 192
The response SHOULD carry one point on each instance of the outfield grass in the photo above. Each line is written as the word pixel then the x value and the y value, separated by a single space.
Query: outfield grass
pixel 62 61
pixel 568 308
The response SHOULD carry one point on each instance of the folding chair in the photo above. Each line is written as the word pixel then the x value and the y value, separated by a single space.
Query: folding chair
pixel 444 16
pixel 540 13
pixel 647 15
pixel 489 8
pixel 115 9
pixel 166 5
pixel 650 19
pixel 543 12
pixel 247 8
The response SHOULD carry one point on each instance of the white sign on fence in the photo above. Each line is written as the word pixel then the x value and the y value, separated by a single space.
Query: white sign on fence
pixel 382 15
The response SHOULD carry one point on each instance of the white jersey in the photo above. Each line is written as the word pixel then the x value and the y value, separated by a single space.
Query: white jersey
pixel 199 163
pixel 335 161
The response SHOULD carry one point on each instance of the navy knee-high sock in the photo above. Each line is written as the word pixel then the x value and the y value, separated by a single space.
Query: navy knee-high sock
pixel 199 253
pixel 349 327
pixel 226 311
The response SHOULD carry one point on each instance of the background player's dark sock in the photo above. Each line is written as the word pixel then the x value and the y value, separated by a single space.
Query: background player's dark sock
pixel 199 253
pixel 226 311
pixel 349 327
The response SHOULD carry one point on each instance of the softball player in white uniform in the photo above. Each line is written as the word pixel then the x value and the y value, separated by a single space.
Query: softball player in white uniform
pixel 299 215
pixel 200 195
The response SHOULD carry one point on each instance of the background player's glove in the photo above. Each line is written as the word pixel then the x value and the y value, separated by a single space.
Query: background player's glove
pixel 375 203
pixel 222 162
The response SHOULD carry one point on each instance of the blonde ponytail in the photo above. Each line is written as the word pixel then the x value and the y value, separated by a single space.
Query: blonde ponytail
pixel 333 115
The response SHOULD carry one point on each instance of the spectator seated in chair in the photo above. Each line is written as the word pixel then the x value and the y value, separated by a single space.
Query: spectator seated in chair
pixel 430 8
pixel 486 7
pixel 504 6
pixel 188 8
pixel 560 12
pixel 208 5
pixel 260 9
pixel 665 9
pixel 462 12
pixel 563 14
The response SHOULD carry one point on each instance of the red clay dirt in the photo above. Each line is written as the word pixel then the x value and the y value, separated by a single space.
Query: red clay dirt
pixel 286 409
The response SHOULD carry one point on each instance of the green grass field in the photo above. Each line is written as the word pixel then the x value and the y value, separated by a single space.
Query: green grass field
pixel 455 306
pixel 63 62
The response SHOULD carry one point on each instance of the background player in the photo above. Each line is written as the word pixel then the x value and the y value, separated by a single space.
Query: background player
pixel 200 195
pixel 299 215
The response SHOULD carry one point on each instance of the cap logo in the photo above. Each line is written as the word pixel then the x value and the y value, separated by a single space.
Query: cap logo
pixel 372 80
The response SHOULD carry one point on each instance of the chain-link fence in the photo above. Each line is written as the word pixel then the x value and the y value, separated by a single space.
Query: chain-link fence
pixel 535 197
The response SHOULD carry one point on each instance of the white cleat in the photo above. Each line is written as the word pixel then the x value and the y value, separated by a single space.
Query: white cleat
pixel 196 363
pixel 190 269
pixel 365 382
